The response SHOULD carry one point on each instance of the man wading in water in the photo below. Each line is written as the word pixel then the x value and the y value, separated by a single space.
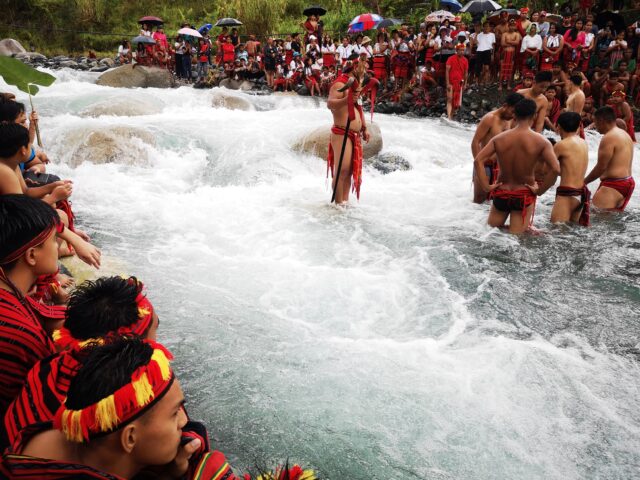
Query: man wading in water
pixel 345 106
pixel 517 151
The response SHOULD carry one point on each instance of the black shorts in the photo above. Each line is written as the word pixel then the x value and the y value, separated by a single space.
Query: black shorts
pixel 506 205
pixel 483 58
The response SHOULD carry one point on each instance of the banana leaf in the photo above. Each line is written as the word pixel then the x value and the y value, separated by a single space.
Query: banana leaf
pixel 26 78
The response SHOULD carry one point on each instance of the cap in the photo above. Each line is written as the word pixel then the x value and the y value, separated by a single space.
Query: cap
pixel 529 75
pixel 460 46
pixel 524 10
pixel 312 37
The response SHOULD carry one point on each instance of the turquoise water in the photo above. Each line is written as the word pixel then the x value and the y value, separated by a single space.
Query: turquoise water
pixel 399 339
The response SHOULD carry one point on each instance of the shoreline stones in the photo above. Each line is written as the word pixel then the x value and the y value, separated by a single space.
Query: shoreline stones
pixel 316 142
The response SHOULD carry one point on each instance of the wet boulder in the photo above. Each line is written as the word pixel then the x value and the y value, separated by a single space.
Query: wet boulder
pixel 388 162
pixel 123 107
pixel 222 99
pixel 10 47
pixel 130 76
pixel 316 142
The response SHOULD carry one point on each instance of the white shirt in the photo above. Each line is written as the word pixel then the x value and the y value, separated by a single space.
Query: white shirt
pixel 367 49
pixel 588 39
pixel 486 41
pixel 329 49
pixel 531 42
pixel 553 41
pixel 146 33
pixel 344 52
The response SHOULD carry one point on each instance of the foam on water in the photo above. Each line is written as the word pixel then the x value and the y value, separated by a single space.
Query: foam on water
pixel 401 338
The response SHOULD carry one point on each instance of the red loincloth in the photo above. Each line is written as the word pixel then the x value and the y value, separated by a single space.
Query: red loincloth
pixel 508 62
pixel 624 186
pixel 585 201
pixel 514 200
pixel 356 158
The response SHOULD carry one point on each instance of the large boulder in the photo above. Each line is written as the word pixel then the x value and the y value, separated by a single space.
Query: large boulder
pixel 123 107
pixel 230 83
pixel 222 99
pixel 130 76
pixel 113 144
pixel 388 162
pixel 316 142
pixel 10 47
pixel 31 57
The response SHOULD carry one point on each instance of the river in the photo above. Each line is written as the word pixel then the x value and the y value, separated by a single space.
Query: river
pixel 399 339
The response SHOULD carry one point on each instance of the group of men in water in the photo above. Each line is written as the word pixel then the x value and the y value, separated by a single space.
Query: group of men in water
pixel 515 163
pixel 86 391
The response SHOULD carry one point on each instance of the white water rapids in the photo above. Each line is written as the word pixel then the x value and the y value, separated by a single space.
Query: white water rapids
pixel 399 339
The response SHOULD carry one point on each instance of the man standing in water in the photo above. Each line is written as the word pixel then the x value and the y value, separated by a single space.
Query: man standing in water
pixel 572 196
pixel 537 94
pixel 492 124
pixel 517 151
pixel 615 157
pixel 349 128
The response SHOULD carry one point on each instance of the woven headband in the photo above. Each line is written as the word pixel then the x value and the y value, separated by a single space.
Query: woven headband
pixel 65 340
pixel 149 383
pixel 34 242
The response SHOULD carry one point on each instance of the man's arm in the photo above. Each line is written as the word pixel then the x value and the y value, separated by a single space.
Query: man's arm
pixel 605 154
pixel 542 114
pixel 485 154
pixel 549 157
pixel 85 251
pixel 337 99
pixel 481 132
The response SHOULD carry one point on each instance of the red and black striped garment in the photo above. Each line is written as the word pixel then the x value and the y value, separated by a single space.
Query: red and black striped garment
pixel 23 342
pixel 43 392
pixel 29 468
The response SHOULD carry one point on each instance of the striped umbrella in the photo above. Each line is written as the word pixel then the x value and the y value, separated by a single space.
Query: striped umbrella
pixel 364 22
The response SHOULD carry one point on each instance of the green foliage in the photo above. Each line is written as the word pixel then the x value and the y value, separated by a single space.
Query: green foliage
pixel 14 72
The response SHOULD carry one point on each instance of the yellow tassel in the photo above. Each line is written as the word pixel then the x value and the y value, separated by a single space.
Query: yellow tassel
pixel 106 414
pixel 72 425
pixel 144 390
pixel 56 335
pixel 143 312
pixel 308 475
pixel 163 363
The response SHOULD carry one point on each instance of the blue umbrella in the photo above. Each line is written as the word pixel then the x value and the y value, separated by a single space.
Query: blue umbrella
pixel 205 28
pixel 454 5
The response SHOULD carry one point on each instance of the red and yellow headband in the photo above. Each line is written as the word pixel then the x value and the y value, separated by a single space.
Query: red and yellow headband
pixel 64 340
pixel 148 385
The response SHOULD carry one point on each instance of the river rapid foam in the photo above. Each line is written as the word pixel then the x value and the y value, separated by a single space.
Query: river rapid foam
pixel 400 338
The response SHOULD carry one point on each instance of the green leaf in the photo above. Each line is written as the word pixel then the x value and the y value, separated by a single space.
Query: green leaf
pixel 16 73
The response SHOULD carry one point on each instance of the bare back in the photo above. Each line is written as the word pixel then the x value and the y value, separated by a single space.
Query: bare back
pixel 573 155
pixel 492 124
pixel 542 105
pixel 617 147
pixel 518 151
pixel 575 101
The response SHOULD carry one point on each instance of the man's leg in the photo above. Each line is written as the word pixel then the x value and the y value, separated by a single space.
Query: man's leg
pixel 496 217
pixel 607 198
pixel 516 224
pixel 344 184
pixel 564 208
pixel 450 102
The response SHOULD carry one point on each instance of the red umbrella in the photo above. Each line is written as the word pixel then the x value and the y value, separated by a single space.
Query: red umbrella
pixel 364 22
pixel 151 21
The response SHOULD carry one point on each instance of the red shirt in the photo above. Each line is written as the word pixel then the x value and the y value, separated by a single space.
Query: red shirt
pixel 228 52
pixel 459 66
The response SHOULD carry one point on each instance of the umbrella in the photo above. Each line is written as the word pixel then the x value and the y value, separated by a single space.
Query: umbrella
pixel 616 19
pixel 439 16
pixel 481 6
pixel 495 17
pixel 189 32
pixel 315 10
pixel 151 21
pixel 205 28
pixel 143 39
pixel 364 22
pixel 553 18
pixel 389 22
pixel 228 22
pixel 454 5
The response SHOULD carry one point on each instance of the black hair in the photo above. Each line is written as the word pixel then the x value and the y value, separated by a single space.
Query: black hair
pixel 544 76
pixel 9 111
pixel 12 138
pixel 525 109
pixel 513 99
pixel 551 87
pixel 99 307
pixel 606 114
pixel 22 219
pixel 614 73
pixel 569 121
pixel 576 79
pixel 552 140
pixel 105 369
